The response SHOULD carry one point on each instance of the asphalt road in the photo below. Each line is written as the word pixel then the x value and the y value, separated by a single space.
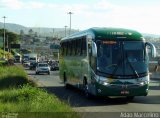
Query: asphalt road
pixel 77 100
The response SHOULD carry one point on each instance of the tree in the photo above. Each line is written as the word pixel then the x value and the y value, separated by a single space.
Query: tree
pixel 11 38
pixel 21 32
pixel 30 33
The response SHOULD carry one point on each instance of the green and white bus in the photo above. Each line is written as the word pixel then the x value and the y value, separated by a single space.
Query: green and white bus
pixel 106 62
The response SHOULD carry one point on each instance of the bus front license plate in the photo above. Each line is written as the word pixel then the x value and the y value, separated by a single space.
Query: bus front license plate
pixel 124 92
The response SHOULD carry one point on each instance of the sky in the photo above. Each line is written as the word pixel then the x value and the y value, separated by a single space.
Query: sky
pixel 140 15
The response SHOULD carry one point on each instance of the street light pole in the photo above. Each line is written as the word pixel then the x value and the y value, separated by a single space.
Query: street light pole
pixel 65 30
pixel 70 13
pixel 4 38
pixel 7 44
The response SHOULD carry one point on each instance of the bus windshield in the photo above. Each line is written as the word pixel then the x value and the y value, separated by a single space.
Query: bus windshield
pixel 122 58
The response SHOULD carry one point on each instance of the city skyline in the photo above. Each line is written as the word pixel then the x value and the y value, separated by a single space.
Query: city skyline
pixel 138 15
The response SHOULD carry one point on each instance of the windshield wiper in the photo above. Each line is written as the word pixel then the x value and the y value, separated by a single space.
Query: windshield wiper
pixel 134 70
pixel 118 65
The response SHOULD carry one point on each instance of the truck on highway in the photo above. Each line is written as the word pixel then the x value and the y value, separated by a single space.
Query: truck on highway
pixel 33 59
pixel 29 60
pixel 25 60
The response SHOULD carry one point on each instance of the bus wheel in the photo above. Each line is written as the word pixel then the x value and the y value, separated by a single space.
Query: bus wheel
pixel 65 81
pixel 86 92
pixel 130 98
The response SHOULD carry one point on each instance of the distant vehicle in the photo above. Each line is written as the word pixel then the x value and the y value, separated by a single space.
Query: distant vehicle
pixel 33 59
pixel 25 60
pixel 42 68
pixel 54 66
pixel 32 66
pixel 17 58
pixel 106 62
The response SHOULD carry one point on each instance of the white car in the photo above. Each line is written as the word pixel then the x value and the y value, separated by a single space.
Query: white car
pixel 42 68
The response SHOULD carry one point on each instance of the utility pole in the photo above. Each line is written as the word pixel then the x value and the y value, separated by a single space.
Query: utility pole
pixel 4 38
pixel 70 13
pixel 53 32
pixel 65 30
pixel 7 44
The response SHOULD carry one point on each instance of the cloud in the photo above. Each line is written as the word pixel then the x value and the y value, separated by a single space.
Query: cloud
pixel 12 4
pixel 100 13
pixel 19 4
pixel 35 5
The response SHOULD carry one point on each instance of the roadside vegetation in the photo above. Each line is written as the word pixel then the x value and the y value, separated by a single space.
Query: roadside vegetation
pixel 7 54
pixel 19 95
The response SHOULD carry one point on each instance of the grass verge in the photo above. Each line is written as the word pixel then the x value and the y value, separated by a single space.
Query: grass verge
pixel 18 95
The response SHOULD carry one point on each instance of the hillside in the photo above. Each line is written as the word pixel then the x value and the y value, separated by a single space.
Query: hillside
pixel 151 35
pixel 43 31
pixel 13 27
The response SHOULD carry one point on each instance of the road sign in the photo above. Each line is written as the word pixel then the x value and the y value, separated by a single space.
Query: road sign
pixel 15 46
pixel 54 46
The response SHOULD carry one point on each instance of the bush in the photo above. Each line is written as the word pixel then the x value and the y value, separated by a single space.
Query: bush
pixel 12 76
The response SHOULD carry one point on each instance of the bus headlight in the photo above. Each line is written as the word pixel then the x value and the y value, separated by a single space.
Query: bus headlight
pixel 103 81
pixel 142 83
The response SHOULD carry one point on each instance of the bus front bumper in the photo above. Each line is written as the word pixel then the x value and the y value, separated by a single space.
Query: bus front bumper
pixel 121 90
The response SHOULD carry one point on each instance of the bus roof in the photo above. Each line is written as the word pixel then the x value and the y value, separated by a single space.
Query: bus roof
pixel 107 33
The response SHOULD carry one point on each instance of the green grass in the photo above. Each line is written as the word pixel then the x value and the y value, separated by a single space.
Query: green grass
pixel 18 95
pixel 2 62
pixel 12 76
pixel 30 99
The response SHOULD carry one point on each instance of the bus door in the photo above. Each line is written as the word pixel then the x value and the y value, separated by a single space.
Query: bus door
pixel 92 60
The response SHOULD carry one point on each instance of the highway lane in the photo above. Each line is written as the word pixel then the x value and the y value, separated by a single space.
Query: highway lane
pixel 77 100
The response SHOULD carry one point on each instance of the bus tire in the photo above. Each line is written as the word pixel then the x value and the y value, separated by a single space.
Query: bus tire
pixel 65 81
pixel 86 92
pixel 130 98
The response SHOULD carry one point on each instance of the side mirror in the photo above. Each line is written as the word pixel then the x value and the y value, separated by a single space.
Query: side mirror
pixel 153 49
pixel 94 49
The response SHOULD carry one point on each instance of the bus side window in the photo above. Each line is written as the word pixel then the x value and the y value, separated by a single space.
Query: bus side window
pixel 79 47
pixel 75 47
pixel 70 48
pixel 84 46
pixel 71 44
pixel 67 48
pixel 62 48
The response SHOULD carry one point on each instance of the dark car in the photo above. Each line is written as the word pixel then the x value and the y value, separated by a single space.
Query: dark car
pixel 54 66
pixel 32 66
